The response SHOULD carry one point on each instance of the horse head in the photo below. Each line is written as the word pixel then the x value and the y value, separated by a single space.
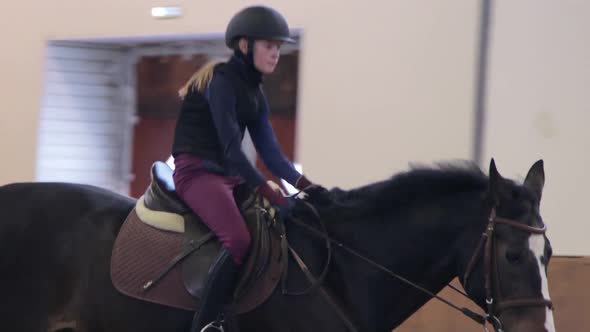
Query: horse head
pixel 507 273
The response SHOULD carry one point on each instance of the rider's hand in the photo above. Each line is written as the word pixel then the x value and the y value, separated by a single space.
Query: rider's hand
pixel 313 193
pixel 283 205
pixel 276 187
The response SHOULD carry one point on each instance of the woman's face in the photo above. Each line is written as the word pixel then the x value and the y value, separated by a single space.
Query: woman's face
pixel 266 55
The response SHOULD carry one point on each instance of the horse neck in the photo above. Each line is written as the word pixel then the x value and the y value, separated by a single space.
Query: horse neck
pixel 421 244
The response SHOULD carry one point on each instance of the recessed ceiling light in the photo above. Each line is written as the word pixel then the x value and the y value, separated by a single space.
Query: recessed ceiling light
pixel 166 12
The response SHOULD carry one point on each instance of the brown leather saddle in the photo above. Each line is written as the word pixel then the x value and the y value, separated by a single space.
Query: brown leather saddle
pixel 161 208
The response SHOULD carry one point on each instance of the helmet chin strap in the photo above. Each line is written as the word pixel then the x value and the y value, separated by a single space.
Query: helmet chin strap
pixel 248 58
pixel 250 55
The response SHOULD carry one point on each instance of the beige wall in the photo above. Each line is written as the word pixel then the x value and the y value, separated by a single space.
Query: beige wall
pixel 397 76
pixel 20 90
pixel 539 107
pixel 385 85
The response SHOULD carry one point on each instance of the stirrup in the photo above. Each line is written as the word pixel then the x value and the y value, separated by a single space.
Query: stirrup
pixel 213 325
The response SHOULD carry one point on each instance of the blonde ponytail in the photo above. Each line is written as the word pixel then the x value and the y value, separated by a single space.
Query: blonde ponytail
pixel 200 79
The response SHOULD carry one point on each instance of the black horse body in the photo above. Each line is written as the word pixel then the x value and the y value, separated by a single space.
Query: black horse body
pixel 56 241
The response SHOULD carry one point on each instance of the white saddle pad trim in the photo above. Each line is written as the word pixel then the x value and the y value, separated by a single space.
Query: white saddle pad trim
pixel 166 221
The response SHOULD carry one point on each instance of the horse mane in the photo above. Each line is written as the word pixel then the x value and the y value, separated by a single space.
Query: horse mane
pixel 419 184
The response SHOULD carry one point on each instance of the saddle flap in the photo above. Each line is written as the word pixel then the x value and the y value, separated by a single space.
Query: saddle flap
pixel 205 250
pixel 255 253
pixel 262 267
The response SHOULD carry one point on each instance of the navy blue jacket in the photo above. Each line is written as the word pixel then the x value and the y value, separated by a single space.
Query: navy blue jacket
pixel 211 125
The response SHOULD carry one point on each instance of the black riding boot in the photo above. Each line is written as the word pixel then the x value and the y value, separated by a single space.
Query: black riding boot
pixel 217 293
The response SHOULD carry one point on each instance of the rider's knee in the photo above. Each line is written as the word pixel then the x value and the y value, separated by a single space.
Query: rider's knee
pixel 240 243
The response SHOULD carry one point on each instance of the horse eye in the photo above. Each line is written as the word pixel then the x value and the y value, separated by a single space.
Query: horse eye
pixel 513 256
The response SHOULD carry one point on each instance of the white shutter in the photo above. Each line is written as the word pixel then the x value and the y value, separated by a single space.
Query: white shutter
pixel 85 127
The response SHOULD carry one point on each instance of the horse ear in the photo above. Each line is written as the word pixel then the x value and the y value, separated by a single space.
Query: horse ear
pixel 495 180
pixel 535 178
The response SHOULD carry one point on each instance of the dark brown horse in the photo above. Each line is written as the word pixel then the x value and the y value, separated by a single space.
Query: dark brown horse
pixel 425 225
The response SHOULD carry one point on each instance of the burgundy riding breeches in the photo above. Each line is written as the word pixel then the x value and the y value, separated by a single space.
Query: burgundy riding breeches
pixel 210 196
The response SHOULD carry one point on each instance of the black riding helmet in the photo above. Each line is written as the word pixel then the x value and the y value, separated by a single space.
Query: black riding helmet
pixel 257 22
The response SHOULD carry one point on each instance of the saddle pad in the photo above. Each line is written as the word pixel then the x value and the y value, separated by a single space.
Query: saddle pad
pixel 140 253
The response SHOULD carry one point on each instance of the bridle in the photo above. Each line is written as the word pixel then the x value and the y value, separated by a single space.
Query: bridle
pixel 486 244
pixel 490 266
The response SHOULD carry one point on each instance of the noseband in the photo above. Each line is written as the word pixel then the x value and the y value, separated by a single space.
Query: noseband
pixel 486 243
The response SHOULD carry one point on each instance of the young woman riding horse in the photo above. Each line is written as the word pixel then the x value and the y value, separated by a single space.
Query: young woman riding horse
pixel 219 103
